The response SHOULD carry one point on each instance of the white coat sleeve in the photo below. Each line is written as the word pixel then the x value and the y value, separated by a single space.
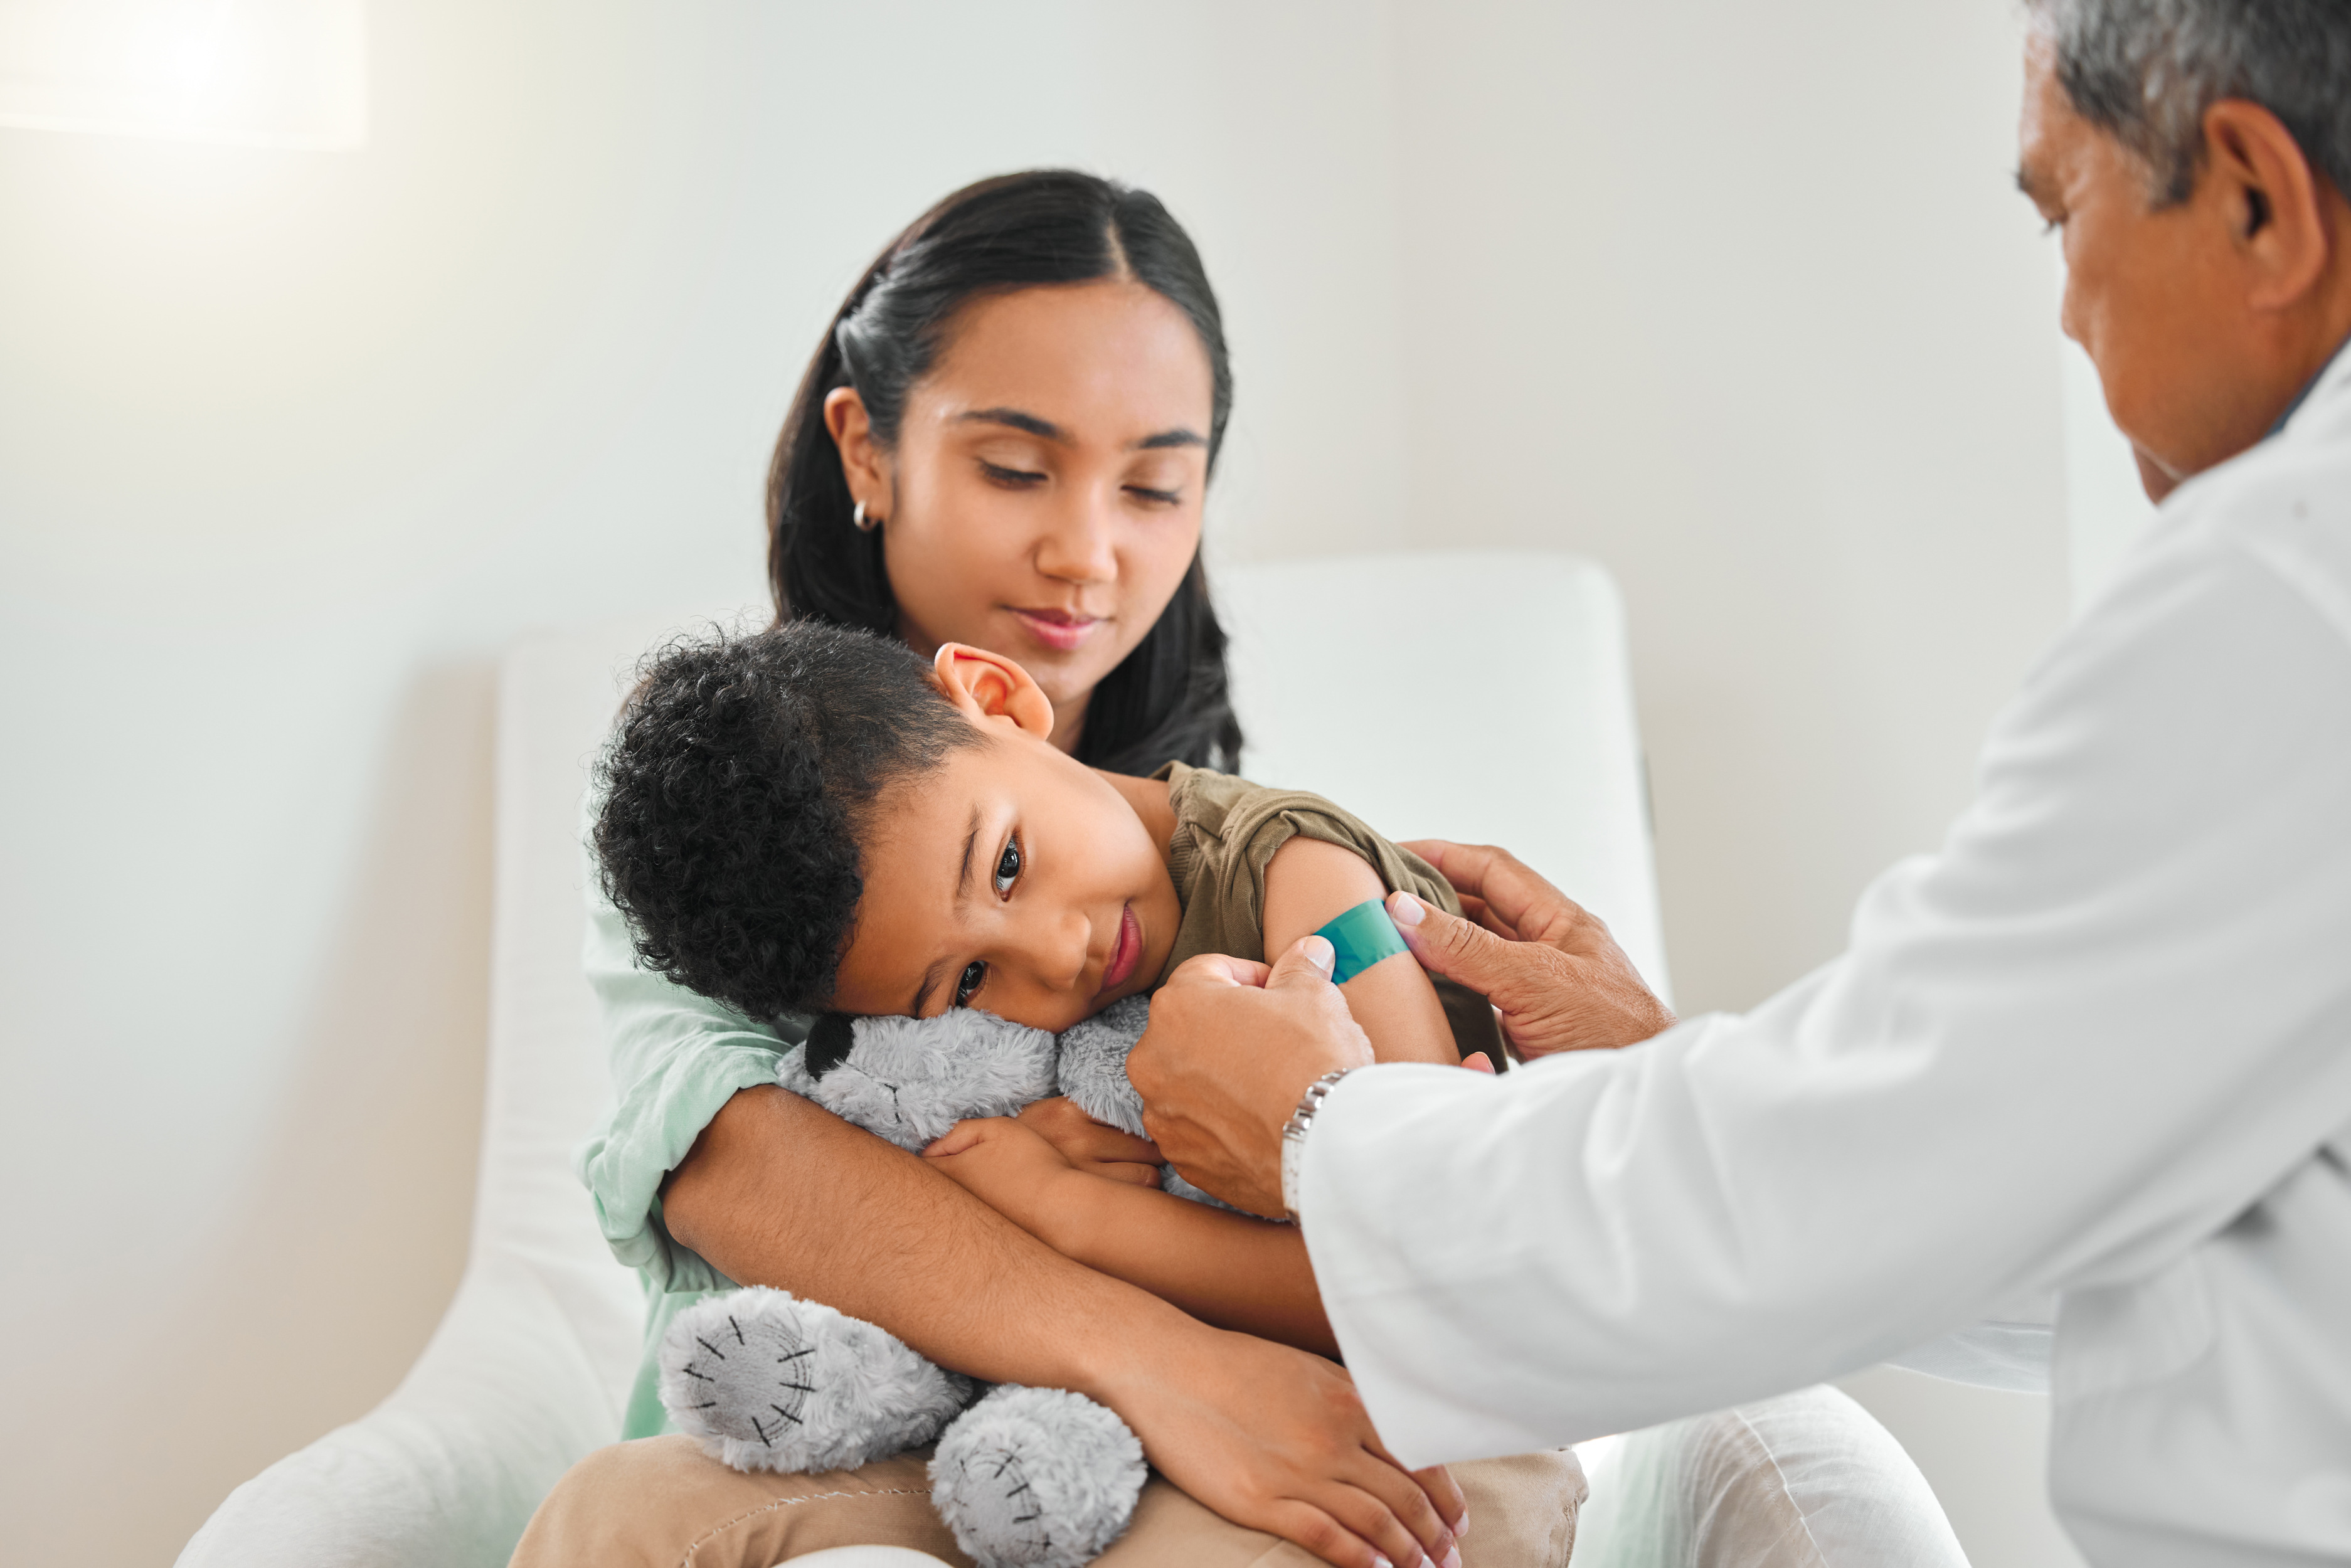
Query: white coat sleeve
pixel 2073 1043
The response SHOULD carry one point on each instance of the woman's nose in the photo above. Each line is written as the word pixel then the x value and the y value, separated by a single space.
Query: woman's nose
pixel 1080 546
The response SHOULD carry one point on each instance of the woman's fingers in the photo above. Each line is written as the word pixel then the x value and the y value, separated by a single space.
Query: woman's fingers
pixel 1313 1530
pixel 1443 1490
pixel 1387 1508
pixel 1132 1174
pixel 1364 1516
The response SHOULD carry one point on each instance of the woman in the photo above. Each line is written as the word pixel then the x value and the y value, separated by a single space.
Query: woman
pixel 1005 440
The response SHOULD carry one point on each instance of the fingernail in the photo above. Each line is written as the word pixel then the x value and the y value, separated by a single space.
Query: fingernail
pixel 1452 1557
pixel 1380 1562
pixel 1461 1526
pixel 1404 909
pixel 1320 953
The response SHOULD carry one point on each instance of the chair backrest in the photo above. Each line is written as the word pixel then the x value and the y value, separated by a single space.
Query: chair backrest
pixel 1479 696
pixel 1483 696
pixel 548 1081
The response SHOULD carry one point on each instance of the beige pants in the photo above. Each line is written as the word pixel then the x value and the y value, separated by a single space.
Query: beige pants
pixel 661 1503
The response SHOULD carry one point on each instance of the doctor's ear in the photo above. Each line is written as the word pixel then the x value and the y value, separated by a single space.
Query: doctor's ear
pixel 992 689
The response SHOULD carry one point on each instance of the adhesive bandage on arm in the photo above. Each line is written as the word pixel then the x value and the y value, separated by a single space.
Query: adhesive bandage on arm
pixel 1359 939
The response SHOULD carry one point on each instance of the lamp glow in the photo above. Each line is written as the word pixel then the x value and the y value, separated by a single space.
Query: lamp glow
pixel 267 73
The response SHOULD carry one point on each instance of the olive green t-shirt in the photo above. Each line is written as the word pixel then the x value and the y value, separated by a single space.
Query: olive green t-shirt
pixel 1227 830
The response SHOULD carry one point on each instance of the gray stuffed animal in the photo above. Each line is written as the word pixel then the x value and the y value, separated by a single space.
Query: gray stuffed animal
pixel 1040 1477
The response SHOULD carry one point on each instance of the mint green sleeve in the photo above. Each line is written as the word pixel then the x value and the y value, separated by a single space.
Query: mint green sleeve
pixel 676 1058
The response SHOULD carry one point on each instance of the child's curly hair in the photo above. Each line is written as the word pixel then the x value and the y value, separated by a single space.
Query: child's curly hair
pixel 744 771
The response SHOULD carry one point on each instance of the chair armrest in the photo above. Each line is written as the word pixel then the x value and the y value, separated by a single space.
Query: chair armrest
pixel 447 1470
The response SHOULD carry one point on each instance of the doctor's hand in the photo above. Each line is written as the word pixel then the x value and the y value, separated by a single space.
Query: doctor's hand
pixel 1230 1049
pixel 1547 962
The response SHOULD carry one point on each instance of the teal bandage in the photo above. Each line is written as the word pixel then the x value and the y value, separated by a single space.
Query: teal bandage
pixel 1360 938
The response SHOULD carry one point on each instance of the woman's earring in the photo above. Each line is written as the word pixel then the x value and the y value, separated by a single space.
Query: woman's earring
pixel 865 525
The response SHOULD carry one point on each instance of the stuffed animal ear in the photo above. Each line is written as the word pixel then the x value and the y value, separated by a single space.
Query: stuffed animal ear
pixel 828 1044
pixel 909 1080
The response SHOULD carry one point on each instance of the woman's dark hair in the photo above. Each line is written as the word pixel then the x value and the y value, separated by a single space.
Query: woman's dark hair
pixel 1169 697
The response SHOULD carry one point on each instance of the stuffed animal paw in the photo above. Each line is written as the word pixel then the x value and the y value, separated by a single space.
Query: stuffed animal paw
pixel 769 1382
pixel 1037 1477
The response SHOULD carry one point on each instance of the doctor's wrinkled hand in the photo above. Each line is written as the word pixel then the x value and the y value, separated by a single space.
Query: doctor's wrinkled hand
pixel 1230 1048
pixel 1547 964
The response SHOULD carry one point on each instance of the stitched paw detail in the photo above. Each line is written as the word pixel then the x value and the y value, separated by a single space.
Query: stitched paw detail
pixel 769 1382
pixel 1036 1477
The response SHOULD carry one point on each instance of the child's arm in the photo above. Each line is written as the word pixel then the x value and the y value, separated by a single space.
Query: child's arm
pixel 1229 1270
pixel 1310 883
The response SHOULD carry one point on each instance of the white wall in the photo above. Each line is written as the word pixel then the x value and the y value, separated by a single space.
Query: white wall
pixel 291 444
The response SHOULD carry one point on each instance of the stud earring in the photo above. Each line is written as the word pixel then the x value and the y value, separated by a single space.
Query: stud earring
pixel 865 525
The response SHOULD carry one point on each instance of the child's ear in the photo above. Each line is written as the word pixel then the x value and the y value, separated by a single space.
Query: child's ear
pixel 987 686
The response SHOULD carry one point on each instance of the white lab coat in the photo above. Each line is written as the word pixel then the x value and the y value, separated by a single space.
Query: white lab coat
pixel 2097 1050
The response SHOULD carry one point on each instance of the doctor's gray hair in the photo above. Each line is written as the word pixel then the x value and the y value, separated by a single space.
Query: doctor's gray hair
pixel 2146 70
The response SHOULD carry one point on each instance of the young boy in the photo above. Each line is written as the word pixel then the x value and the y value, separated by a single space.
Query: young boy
pixel 809 818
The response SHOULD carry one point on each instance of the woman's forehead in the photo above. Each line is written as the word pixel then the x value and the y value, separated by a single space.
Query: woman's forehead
pixel 1110 362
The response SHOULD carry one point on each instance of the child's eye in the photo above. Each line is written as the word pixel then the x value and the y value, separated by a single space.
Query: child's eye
pixel 1007 868
pixel 969 985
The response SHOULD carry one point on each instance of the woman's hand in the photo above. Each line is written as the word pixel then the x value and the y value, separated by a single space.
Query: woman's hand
pixel 1279 1440
pixel 1092 1147
pixel 1547 962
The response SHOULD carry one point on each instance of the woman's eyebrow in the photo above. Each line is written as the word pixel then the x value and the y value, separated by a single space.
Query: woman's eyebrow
pixel 1047 429
pixel 1179 436
pixel 1030 422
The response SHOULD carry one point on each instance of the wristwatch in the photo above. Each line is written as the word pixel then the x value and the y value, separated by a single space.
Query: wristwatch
pixel 1293 1137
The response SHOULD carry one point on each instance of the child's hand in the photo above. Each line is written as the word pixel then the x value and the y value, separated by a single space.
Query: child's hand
pixel 1010 1167
pixel 1096 1149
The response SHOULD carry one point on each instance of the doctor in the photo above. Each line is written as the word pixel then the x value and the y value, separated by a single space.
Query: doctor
pixel 2095 1051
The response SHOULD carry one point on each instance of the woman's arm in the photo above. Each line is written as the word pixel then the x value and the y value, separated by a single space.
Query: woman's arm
pixel 1310 883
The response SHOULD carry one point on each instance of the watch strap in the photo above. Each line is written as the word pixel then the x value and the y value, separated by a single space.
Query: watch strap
pixel 1293 1137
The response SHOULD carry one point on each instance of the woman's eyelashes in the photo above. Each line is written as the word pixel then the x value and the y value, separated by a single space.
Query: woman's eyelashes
pixel 1010 478
pixel 1149 497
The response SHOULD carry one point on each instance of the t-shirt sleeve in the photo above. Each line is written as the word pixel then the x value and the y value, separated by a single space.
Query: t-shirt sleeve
pixel 675 1057
pixel 1228 831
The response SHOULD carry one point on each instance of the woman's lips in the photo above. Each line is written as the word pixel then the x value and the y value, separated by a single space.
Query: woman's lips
pixel 1124 954
pixel 1058 629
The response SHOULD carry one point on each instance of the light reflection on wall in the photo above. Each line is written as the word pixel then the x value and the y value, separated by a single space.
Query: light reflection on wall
pixel 270 73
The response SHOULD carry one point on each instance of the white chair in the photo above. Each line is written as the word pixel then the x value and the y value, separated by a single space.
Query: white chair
pixel 1393 684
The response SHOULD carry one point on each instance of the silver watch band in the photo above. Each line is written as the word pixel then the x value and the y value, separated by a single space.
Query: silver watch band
pixel 1293 1137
